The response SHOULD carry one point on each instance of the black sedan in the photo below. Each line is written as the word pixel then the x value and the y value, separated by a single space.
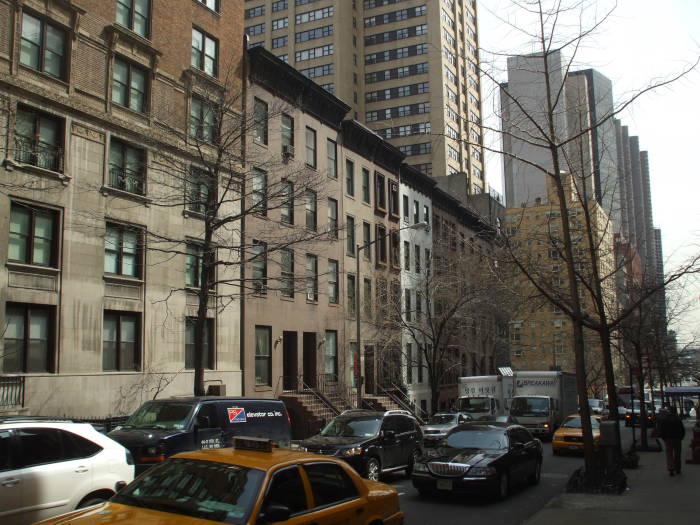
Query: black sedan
pixel 480 458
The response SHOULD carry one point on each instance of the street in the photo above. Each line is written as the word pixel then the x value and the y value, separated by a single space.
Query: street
pixel 522 503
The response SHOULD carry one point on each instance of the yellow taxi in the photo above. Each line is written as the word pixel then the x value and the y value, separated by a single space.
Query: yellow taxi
pixel 569 436
pixel 252 483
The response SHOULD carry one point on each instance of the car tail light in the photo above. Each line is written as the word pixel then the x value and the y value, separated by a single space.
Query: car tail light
pixel 289 419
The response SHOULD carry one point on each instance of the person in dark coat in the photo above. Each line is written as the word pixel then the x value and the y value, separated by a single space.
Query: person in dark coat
pixel 672 431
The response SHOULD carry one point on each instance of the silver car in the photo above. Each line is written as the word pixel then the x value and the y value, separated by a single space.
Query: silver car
pixel 440 424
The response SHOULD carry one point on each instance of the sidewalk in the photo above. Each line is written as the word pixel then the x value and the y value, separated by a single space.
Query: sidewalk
pixel 653 497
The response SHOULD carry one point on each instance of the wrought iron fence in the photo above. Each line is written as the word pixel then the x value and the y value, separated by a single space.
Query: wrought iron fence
pixel 11 391
pixel 126 180
pixel 29 151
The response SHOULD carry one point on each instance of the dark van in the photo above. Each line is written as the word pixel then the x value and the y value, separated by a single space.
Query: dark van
pixel 163 427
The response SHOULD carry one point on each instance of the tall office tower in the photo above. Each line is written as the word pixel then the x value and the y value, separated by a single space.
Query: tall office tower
pixel 408 68
pixel 584 109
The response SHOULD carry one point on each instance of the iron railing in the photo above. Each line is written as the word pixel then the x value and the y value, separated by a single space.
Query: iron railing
pixel 397 395
pixel 126 180
pixel 29 151
pixel 11 391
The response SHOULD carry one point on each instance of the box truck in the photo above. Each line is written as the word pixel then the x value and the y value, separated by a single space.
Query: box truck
pixel 485 397
pixel 541 400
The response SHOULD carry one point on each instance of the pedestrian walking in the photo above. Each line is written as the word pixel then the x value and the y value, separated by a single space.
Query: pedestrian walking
pixel 670 428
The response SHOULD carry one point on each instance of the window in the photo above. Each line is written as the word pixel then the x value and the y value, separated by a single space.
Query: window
pixel 287 488
pixel 350 236
pixel 332 158
pixel 259 192
pixel 258 262
pixel 257 29
pixel 134 14
pixel 366 240
pixel 205 52
pixel 365 185
pixel 211 4
pixel 350 177
pixel 333 293
pixel 395 249
pixel 416 212
pixel 280 23
pixel 312 34
pixel 317 14
pixel 417 257
pixel 260 121
pixel 126 167
pixel 38 139
pixel 311 209
pixel 408 311
pixel 203 119
pixel 380 239
pixel 351 291
pixel 379 192
pixel 330 365
pixel 120 341
pixel 263 356
pixel 394 200
pixel 311 277
pixel 287 134
pixel 367 292
pixel 279 5
pixel 314 52
pixel 43 46
pixel 333 217
pixel 28 338
pixel 406 255
pixel 280 41
pixel 193 265
pixel 310 147
pixel 191 344
pixel 427 261
pixel 419 305
pixel 287 207
pixel 426 214
pixel 254 12
pixel 317 71
pixel 122 251
pixel 409 363
pixel 33 236
pixel 287 272
pixel 405 208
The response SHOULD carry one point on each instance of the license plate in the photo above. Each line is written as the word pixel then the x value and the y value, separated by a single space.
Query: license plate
pixel 573 447
pixel 444 484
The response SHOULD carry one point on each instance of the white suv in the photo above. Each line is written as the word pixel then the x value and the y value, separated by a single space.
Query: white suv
pixel 48 467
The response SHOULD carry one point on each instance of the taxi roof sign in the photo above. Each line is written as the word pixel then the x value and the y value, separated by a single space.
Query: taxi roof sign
pixel 252 443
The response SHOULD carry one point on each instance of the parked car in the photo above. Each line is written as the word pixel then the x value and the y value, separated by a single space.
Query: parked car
pixel 49 467
pixel 373 442
pixel 163 427
pixel 632 415
pixel 253 483
pixel 569 436
pixel 480 458
pixel 440 424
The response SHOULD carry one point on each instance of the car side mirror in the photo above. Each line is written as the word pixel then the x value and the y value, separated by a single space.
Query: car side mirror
pixel 119 485
pixel 274 513
pixel 518 446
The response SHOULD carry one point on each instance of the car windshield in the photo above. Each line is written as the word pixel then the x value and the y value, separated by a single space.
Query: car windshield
pixel 475 405
pixel 479 439
pixel 595 403
pixel 575 422
pixel 443 419
pixel 352 427
pixel 530 406
pixel 168 415
pixel 201 489
pixel 636 404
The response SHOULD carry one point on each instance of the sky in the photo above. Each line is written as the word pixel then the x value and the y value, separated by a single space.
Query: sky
pixel 641 42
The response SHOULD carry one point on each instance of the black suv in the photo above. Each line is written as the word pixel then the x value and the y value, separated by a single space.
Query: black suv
pixel 372 442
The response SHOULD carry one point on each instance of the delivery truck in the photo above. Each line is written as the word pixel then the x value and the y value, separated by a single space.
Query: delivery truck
pixel 541 400
pixel 485 397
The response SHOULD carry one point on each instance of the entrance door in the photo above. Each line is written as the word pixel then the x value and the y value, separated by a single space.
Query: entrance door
pixel 369 370
pixel 290 368
pixel 310 358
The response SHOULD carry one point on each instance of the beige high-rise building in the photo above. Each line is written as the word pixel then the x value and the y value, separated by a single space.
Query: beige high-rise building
pixel 408 68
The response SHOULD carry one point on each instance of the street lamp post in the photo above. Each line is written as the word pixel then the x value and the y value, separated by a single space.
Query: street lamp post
pixel 358 320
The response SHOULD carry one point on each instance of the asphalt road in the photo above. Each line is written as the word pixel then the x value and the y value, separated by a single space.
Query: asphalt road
pixel 522 503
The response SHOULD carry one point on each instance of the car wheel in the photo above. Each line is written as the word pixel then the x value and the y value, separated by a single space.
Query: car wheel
pixel 90 502
pixel 412 461
pixel 372 469
pixel 503 487
pixel 537 474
